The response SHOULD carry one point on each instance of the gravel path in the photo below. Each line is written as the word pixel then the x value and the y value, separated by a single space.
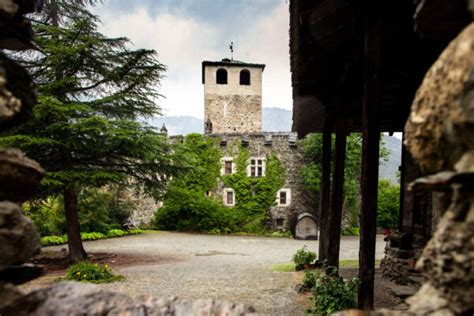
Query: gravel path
pixel 222 267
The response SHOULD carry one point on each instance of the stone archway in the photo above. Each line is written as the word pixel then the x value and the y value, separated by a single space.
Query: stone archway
pixel 306 227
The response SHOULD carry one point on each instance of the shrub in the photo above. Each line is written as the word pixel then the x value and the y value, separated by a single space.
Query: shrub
pixel 303 257
pixel 53 240
pixel 47 215
pixel 92 236
pixel 309 278
pixel 116 233
pixel 388 204
pixel 91 272
pixel 331 293
pixel 350 231
pixel 135 232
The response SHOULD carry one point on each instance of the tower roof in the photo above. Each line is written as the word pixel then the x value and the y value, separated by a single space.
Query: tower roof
pixel 229 63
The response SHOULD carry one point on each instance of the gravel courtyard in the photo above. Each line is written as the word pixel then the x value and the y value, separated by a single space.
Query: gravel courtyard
pixel 223 267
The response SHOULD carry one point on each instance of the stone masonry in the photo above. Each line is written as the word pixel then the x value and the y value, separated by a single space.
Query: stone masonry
pixel 286 149
pixel 233 107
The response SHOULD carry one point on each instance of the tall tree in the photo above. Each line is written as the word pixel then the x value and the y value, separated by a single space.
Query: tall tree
pixel 88 128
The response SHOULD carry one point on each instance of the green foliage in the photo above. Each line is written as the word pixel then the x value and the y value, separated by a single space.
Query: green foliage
pixel 53 240
pixel 91 272
pixel 47 215
pixel 310 173
pixel 388 204
pixel 187 206
pixel 350 231
pixel 92 236
pixel 303 257
pixel 60 240
pixel 116 233
pixel 331 293
pixel 98 210
pixel 102 209
pixel 94 92
pixel 254 195
pixel 309 278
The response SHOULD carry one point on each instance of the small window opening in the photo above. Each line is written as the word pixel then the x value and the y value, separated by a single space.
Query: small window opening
pixel 245 77
pixel 228 167
pixel 221 76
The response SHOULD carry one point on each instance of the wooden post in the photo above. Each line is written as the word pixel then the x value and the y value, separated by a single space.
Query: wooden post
pixel 370 155
pixel 337 196
pixel 325 196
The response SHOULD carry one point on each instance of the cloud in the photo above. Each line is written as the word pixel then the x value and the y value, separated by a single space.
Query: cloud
pixel 183 40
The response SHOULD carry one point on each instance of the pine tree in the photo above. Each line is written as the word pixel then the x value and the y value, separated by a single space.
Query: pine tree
pixel 88 129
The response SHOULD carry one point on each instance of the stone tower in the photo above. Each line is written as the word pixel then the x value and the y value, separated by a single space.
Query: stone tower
pixel 232 96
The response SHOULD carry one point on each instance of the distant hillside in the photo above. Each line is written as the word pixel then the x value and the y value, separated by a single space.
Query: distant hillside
pixel 179 125
pixel 274 120
pixel 388 169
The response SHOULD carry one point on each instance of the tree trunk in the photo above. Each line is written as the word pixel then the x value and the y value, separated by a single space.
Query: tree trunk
pixel 76 250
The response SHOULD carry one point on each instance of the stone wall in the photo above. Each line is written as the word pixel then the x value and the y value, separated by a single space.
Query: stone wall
pixel 233 107
pixel 286 149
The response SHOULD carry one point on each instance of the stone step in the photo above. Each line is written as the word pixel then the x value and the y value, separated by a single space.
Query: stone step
pixel 402 291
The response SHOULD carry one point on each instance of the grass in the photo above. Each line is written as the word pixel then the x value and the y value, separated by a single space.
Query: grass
pixel 290 266
pixel 284 267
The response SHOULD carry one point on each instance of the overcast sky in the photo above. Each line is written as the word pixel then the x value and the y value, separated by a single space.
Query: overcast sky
pixel 186 32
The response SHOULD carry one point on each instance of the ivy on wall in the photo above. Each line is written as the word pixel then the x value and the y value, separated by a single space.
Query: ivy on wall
pixel 188 207
pixel 254 195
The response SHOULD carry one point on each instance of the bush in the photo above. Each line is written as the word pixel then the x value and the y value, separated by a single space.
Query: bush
pixel 192 211
pixel 331 293
pixel 388 204
pixel 91 272
pixel 92 236
pixel 309 278
pixel 116 233
pixel 350 231
pixel 303 257
pixel 135 232
pixel 53 240
pixel 47 215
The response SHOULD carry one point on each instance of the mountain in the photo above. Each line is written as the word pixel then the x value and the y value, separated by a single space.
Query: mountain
pixel 179 125
pixel 388 169
pixel 274 120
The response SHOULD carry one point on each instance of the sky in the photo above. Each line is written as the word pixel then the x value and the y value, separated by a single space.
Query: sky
pixel 186 32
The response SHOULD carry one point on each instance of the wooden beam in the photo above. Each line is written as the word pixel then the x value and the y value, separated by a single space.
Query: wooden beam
pixel 370 154
pixel 325 197
pixel 337 196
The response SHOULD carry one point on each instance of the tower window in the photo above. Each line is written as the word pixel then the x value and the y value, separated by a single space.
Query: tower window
pixel 245 77
pixel 221 76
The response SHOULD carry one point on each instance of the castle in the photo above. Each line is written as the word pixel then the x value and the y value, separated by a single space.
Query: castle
pixel 233 114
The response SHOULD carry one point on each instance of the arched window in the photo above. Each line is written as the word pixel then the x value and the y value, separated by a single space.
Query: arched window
pixel 245 77
pixel 221 76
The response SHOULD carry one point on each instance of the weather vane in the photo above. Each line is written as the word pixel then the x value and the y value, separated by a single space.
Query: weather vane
pixel 231 46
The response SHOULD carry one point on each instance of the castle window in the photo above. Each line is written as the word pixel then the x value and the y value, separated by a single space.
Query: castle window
pixel 221 76
pixel 245 77
pixel 228 166
pixel 228 197
pixel 284 197
pixel 256 167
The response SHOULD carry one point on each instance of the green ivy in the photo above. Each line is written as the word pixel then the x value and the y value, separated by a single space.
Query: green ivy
pixel 186 206
pixel 254 196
